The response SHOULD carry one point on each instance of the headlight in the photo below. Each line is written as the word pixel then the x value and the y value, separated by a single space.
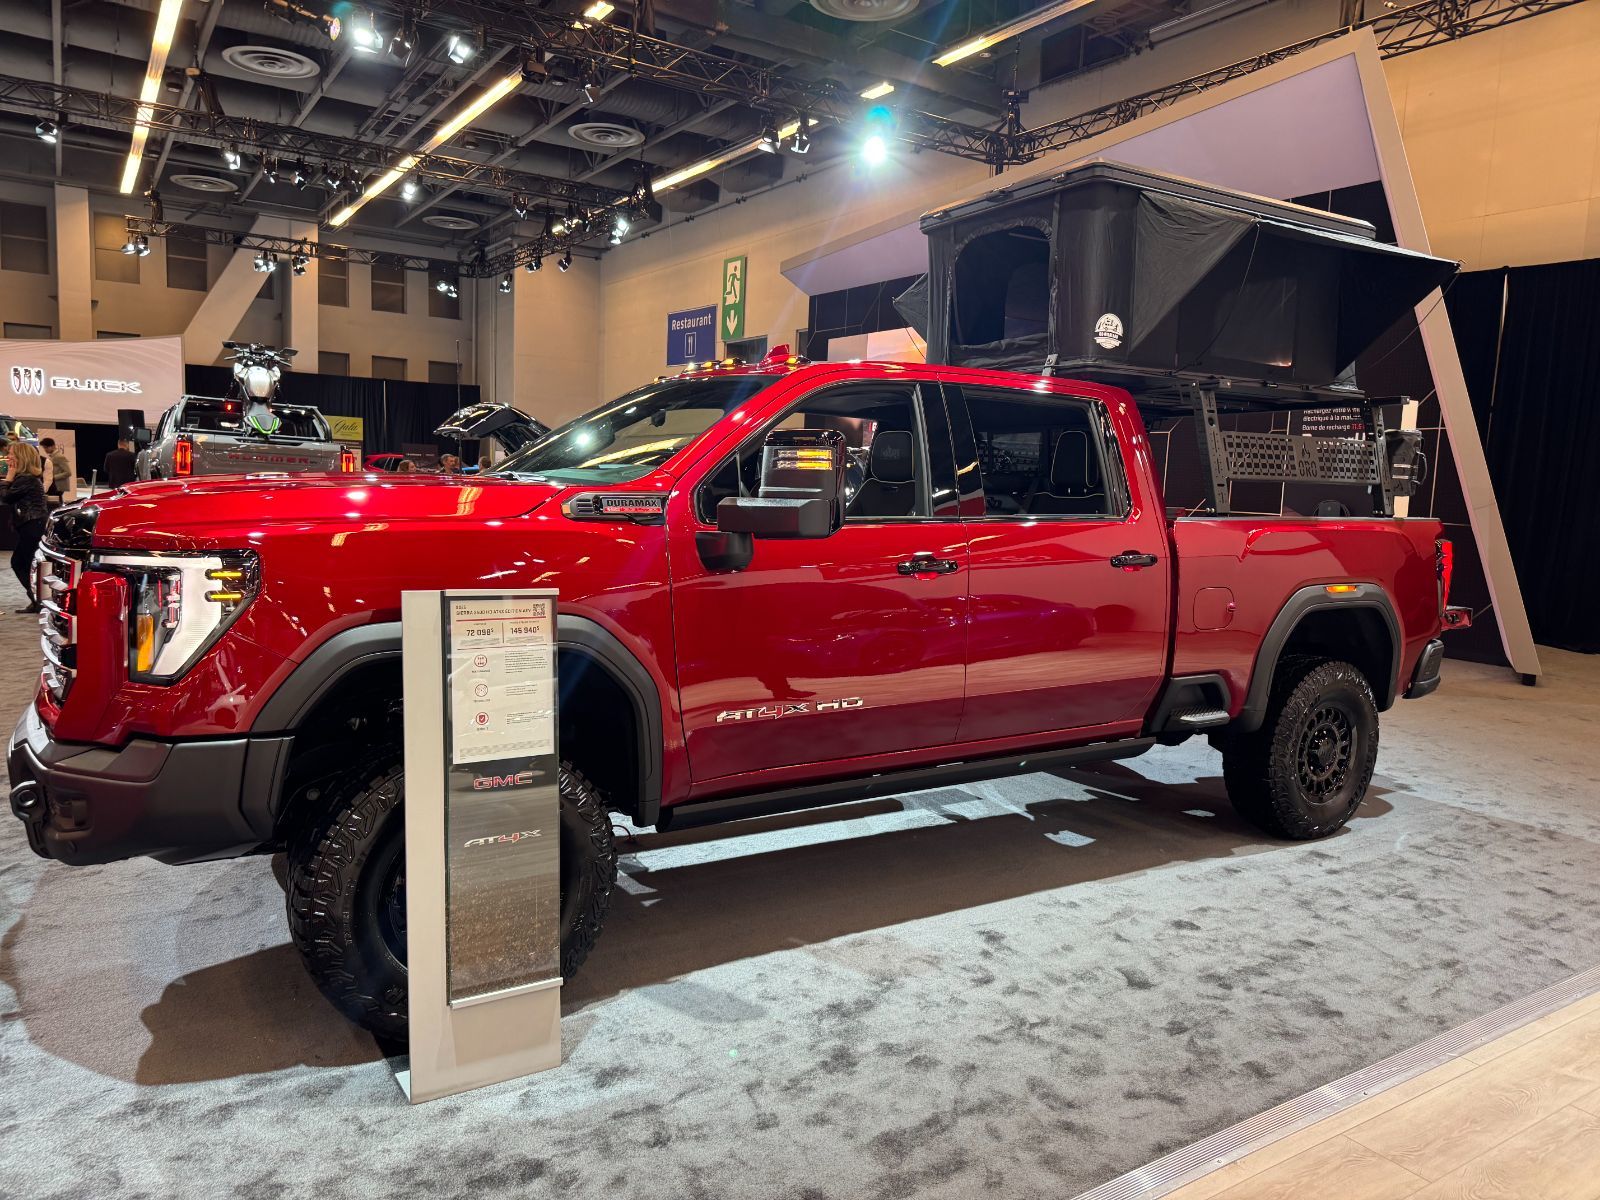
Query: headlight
pixel 180 605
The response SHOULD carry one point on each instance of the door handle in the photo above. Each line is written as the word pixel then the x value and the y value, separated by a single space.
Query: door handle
pixel 924 563
pixel 1131 559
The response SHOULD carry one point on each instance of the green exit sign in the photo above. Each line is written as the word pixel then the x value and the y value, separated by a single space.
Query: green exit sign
pixel 733 280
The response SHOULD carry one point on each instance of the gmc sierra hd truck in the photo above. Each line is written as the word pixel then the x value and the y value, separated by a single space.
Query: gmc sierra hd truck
pixel 781 585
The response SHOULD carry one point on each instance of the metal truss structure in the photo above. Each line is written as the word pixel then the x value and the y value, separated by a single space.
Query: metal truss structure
pixel 600 48
pixel 288 247
pixel 353 158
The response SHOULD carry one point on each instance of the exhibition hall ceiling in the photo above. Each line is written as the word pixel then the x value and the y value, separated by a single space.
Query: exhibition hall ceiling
pixel 497 113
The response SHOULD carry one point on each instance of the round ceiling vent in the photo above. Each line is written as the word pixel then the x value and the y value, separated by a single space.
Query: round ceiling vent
pixel 607 134
pixel 447 221
pixel 865 10
pixel 205 183
pixel 271 62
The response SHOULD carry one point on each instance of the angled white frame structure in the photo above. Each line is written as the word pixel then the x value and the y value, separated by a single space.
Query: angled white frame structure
pixel 1327 123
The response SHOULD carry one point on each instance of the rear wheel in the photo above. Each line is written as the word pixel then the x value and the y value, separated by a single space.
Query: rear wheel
pixel 347 898
pixel 1304 773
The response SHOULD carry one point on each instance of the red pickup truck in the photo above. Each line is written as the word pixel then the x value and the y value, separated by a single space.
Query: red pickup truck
pixel 781 585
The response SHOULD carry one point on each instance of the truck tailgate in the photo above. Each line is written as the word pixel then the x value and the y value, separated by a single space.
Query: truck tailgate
pixel 1235 574
pixel 214 456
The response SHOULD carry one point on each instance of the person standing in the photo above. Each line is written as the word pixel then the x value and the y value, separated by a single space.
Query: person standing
pixel 58 472
pixel 24 492
pixel 119 468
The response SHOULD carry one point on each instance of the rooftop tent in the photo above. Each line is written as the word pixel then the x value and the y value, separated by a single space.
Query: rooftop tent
pixel 1126 274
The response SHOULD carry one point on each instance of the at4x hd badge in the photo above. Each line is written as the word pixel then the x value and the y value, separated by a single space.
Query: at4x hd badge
pixel 788 708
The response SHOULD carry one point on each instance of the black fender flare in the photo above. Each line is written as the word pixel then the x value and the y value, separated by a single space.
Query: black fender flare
pixel 1313 598
pixel 298 695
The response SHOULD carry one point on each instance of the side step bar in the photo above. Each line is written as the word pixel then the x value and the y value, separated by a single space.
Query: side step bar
pixel 891 783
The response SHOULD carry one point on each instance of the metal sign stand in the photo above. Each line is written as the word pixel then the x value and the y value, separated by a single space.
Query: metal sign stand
pixel 483 879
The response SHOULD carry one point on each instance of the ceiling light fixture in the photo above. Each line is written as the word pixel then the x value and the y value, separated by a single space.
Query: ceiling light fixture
pixel 519 205
pixel 233 158
pixel 694 170
pixel 463 47
pixel 160 44
pixel 800 143
pixel 536 263
pixel 878 91
pixel 505 285
pixel 48 131
pixel 137 244
pixel 565 261
pixel 599 10
pixel 1006 32
pixel 403 42
pixel 298 264
pixel 485 101
pixel 362 29
pixel 769 138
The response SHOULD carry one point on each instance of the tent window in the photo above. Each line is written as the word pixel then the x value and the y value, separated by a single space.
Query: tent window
pixel 1002 287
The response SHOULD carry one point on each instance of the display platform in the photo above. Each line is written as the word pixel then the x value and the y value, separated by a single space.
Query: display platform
pixel 1023 987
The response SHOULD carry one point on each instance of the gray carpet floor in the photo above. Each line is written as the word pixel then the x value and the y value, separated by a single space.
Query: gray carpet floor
pixel 1024 987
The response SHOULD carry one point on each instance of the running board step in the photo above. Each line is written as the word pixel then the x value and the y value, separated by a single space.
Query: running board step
pixel 1201 718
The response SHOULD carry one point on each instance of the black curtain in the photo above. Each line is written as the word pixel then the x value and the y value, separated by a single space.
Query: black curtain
pixel 1534 378
pixel 394 412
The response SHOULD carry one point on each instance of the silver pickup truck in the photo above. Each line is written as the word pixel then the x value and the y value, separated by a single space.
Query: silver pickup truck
pixel 203 435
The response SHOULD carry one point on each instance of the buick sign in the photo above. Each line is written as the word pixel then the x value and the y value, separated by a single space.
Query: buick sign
pixel 29 381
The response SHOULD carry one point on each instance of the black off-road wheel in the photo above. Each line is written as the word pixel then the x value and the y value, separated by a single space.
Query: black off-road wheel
pixel 347 898
pixel 1304 773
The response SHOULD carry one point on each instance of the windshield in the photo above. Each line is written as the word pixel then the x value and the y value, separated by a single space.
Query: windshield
pixel 628 438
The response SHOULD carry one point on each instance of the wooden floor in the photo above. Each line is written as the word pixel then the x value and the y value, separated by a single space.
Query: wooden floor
pixel 1516 1119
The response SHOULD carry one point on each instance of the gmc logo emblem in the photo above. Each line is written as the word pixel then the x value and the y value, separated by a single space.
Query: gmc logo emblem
pixel 27 381
pixel 483 783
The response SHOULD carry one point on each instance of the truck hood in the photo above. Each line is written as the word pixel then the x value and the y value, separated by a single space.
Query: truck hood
pixel 207 510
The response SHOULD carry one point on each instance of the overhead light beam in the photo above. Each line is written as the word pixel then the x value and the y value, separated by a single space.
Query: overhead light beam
pixel 160 44
pixel 1003 33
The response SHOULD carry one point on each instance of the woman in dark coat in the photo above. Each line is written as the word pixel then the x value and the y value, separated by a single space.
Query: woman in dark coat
pixel 24 492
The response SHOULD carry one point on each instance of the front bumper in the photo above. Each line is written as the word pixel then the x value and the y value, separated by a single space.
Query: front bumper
pixel 1425 679
pixel 173 801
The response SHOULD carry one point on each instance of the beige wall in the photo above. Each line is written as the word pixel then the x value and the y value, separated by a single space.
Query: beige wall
pixel 538 348
pixel 150 308
pixel 1502 131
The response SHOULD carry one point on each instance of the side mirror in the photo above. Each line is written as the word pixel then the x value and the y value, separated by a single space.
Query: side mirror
pixel 802 488
pixel 141 438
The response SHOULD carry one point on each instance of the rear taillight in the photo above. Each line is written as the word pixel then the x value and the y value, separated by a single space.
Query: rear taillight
pixel 183 457
pixel 347 460
pixel 1444 565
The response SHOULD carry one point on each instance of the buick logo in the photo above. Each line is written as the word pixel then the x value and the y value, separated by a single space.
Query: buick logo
pixel 27 381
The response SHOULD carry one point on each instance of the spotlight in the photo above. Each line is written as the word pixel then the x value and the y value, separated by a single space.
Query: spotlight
pixel 534 69
pixel 233 158
pixel 620 225
pixel 644 192
pixel 363 31
pixel 769 137
pixel 463 48
pixel 565 261
pixel 801 142
pixel 409 190
pixel 591 91
pixel 269 170
pixel 616 236
pixel 536 263
pixel 266 262
pixel 403 42
pixel 48 131
pixel 298 264
pixel 296 173
pixel 505 286
pixel 137 244
pixel 519 205
pixel 874 150
pixel 443 286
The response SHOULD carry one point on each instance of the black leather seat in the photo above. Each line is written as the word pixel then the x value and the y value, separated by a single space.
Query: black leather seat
pixel 890 489
pixel 1074 486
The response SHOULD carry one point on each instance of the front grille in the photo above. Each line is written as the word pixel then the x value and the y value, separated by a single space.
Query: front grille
pixel 56 584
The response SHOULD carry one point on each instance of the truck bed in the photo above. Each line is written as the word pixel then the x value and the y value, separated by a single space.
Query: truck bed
pixel 1234 574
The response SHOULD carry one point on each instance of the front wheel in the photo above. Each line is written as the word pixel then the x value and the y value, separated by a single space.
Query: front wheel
pixel 347 898
pixel 1304 773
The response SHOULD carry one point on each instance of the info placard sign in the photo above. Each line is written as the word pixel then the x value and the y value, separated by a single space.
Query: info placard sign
pixel 502 815
pixel 691 335
pixel 483 857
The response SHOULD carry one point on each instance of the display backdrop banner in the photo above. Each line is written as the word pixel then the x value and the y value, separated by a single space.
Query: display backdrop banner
pixel 90 381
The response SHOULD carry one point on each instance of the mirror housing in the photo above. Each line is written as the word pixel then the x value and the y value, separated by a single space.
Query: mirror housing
pixel 802 489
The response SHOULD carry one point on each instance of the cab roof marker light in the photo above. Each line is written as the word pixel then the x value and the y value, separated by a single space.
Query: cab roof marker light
pixel 445 132
pixel 1003 33
pixel 160 45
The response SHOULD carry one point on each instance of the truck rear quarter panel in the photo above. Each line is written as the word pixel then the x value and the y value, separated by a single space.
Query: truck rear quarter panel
pixel 1236 573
